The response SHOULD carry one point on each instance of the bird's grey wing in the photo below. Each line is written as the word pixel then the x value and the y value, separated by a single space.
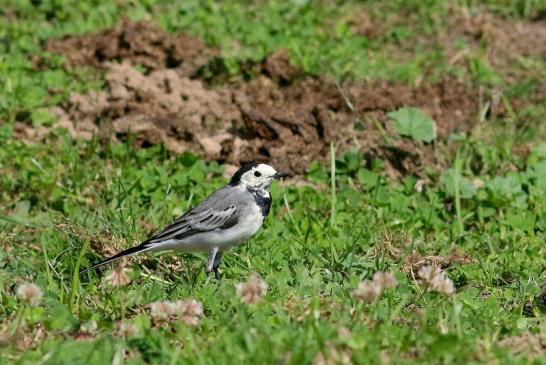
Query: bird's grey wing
pixel 221 210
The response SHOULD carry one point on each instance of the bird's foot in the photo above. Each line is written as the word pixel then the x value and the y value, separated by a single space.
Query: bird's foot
pixel 217 274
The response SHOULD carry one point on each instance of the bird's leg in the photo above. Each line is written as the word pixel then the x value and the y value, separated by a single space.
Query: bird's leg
pixel 216 265
pixel 211 259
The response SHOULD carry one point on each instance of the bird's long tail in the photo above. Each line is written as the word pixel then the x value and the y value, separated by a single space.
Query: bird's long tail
pixel 145 246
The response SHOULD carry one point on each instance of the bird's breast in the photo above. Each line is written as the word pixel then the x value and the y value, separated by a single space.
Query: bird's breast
pixel 251 222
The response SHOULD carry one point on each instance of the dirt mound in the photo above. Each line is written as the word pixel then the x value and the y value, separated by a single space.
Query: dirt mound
pixel 279 116
pixel 162 106
pixel 141 43
pixel 298 121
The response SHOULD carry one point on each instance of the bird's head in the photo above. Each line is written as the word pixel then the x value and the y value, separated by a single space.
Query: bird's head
pixel 255 175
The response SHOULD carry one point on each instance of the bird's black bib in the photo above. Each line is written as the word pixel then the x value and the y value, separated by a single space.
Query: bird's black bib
pixel 262 199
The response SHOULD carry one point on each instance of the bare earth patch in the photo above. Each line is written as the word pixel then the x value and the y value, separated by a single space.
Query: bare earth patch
pixel 531 345
pixel 505 42
pixel 279 116
pixel 505 39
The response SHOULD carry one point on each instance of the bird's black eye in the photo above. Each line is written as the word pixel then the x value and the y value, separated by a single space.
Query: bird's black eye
pixel 257 173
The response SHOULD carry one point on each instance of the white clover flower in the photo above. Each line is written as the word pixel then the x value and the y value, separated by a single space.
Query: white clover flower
pixel 127 329
pixel 189 307
pixel 29 293
pixel 367 291
pixel 189 311
pixel 252 291
pixel 434 279
pixel 385 279
pixel 161 310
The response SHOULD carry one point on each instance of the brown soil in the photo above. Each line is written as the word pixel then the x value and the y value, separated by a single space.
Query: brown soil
pixel 505 43
pixel 140 43
pixel 502 43
pixel 503 38
pixel 280 116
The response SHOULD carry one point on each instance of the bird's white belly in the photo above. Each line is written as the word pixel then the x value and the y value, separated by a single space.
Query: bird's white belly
pixel 225 239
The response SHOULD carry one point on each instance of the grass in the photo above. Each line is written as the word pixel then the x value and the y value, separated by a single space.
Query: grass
pixel 310 265
pixel 63 201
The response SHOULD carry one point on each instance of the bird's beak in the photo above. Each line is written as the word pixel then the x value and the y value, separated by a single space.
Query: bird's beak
pixel 280 175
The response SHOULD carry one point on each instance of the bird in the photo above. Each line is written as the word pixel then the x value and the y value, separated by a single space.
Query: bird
pixel 228 217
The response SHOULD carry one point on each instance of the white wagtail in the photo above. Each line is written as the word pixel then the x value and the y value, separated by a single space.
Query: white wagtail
pixel 230 216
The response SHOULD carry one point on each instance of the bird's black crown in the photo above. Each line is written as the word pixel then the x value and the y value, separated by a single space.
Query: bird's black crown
pixel 236 178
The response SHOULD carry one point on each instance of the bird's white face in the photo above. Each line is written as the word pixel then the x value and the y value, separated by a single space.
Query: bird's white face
pixel 259 176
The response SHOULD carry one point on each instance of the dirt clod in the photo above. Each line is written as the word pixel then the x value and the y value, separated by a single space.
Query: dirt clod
pixel 278 67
